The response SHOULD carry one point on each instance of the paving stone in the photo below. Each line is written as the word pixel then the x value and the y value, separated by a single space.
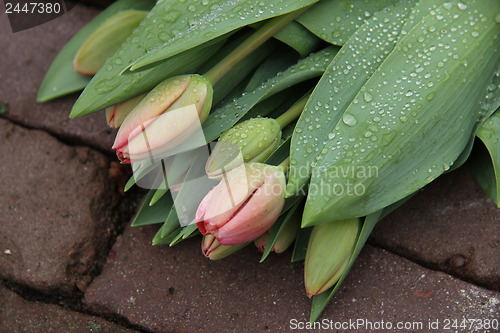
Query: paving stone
pixel 452 226
pixel 20 316
pixel 177 290
pixel 55 212
pixel 26 57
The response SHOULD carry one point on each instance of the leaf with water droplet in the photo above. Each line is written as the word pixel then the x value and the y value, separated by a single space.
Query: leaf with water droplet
pixel 61 79
pixel 356 62
pixel 244 68
pixel 299 38
pixel 226 116
pixel 199 24
pixel 336 20
pixel 108 87
pixel 487 168
pixel 279 60
pixel 436 131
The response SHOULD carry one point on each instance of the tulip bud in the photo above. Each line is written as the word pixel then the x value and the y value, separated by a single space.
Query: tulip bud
pixel 254 138
pixel 166 117
pixel 105 41
pixel 328 252
pixel 214 250
pixel 116 114
pixel 243 205
pixel 285 239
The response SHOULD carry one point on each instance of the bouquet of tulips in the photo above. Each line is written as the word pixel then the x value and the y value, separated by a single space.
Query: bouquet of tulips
pixel 288 122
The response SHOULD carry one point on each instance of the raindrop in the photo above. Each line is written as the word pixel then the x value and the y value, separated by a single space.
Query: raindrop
pixel 171 16
pixel 367 96
pixel 349 119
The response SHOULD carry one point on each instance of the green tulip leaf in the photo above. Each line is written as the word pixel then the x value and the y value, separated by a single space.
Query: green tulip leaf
pixel 191 23
pixel 184 233
pixel 159 193
pixel 410 147
pixel 481 166
pixel 141 170
pixel 279 60
pixel 489 177
pixel 190 194
pixel 299 38
pixel 300 246
pixel 490 103
pixel 278 227
pixel 108 87
pixel 280 154
pixel 148 215
pixel 176 168
pixel 335 21
pixel 61 79
pixel 3 109
pixel 223 118
pixel 242 70
pixel 355 63
pixel 171 223
pixel 158 240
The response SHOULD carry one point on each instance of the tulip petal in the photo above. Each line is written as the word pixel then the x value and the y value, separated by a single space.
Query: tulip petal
pixel 153 105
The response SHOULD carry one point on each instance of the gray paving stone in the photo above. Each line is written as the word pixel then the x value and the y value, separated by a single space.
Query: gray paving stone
pixel 55 212
pixel 20 316
pixel 452 226
pixel 177 290
pixel 26 57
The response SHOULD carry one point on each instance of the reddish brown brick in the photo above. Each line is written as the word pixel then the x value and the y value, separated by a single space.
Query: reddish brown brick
pixel 178 290
pixel 452 226
pixel 26 57
pixel 20 316
pixel 55 212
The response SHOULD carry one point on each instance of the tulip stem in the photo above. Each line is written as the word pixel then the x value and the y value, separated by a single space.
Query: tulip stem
pixel 285 164
pixel 258 38
pixel 293 113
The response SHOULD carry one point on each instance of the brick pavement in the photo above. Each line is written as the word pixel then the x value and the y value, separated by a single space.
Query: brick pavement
pixel 59 205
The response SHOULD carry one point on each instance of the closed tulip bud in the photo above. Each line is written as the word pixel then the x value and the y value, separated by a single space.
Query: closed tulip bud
pixel 116 114
pixel 163 119
pixel 244 205
pixel 328 252
pixel 285 239
pixel 105 41
pixel 255 139
pixel 214 250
